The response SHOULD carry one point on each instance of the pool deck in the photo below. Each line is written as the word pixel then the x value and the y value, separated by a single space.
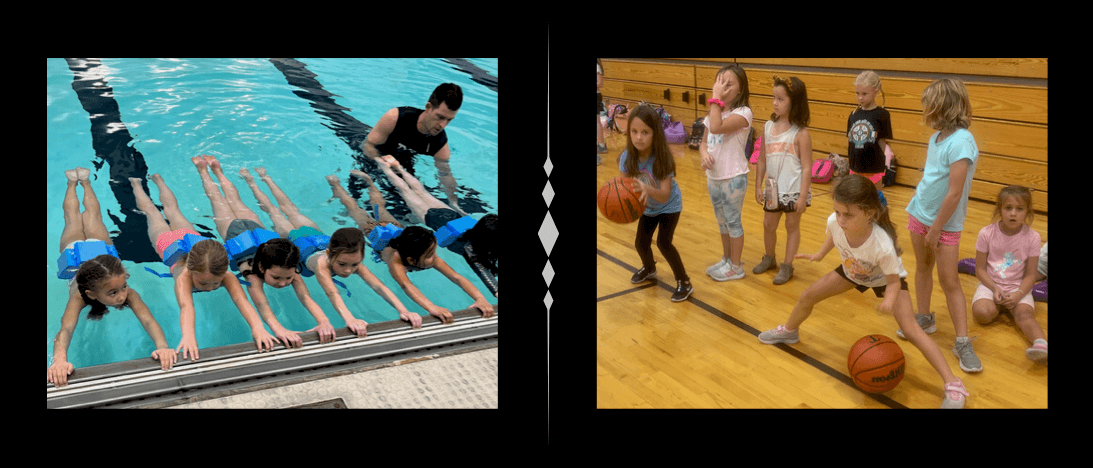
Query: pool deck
pixel 437 366
pixel 467 380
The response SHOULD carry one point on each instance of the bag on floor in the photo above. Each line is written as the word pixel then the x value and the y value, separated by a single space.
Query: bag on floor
pixel 822 170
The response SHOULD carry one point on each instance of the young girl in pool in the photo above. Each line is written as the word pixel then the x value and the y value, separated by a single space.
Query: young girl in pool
pixel 478 246
pixel 293 225
pixel 99 282
pixel 866 239
pixel 203 268
pixel 415 248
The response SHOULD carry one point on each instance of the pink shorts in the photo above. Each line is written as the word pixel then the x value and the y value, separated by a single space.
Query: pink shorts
pixel 983 292
pixel 164 240
pixel 916 227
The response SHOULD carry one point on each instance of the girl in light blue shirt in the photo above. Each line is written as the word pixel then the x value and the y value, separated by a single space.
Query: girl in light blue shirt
pixel 936 212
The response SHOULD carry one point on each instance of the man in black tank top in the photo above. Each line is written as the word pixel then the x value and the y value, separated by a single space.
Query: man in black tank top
pixel 403 132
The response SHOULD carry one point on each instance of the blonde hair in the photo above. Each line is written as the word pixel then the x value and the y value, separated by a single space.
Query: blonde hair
pixel 945 105
pixel 872 79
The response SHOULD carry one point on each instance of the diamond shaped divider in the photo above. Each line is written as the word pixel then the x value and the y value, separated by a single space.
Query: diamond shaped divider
pixel 548 234
pixel 548 193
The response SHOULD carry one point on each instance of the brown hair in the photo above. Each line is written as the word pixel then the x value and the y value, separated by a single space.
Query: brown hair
pixel 855 189
pixel 208 255
pixel 92 273
pixel 345 240
pixel 663 162
pixel 1021 193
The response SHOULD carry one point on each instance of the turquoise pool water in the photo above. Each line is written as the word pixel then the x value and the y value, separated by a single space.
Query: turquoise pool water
pixel 301 122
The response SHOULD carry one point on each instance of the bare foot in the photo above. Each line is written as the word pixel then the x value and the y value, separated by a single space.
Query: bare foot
pixel 71 175
pixel 261 172
pixel 213 163
pixel 82 173
pixel 361 175
pixel 333 180
pixel 199 162
pixel 245 174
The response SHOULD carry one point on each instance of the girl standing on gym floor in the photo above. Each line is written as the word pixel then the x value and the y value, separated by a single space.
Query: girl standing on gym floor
pixel 936 212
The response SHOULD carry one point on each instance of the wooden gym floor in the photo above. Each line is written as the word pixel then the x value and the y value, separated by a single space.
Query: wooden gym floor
pixel 704 352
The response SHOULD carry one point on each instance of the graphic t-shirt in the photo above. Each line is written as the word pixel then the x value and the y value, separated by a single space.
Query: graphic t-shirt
pixel 869 263
pixel 1007 255
pixel 864 129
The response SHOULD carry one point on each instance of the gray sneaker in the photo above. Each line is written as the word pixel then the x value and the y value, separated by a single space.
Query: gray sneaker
pixel 785 272
pixel 765 264
pixel 969 362
pixel 924 321
pixel 779 335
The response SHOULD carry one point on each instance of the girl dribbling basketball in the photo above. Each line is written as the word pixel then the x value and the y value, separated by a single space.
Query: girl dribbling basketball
pixel 865 237
pixel 649 162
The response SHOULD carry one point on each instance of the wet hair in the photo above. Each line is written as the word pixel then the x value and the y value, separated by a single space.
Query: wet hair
pixel 345 240
pixel 91 275
pixel 483 238
pixel 208 256
pixel 1021 193
pixel 946 106
pixel 412 243
pixel 449 93
pixel 798 100
pixel 663 162
pixel 275 252
pixel 855 189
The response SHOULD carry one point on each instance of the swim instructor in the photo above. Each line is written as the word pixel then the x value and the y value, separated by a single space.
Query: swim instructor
pixel 405 131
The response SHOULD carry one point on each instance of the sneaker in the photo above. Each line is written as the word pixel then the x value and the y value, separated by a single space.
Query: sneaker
pixel 643 275
pixel 779 335
pixel 683 291
pixel 728 271
pixel 785 272
pixel 969 362
pixel 601 148
pixel 765 264
pixel 924 321
pixel 717 266
pixel 955 394
pixel 1038 351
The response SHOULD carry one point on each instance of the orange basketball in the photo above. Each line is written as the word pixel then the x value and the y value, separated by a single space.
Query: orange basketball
pixel 876 363
pixel 618 202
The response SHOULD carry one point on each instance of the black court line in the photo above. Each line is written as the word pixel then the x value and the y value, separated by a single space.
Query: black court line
pixel 646 285
pixel 755 332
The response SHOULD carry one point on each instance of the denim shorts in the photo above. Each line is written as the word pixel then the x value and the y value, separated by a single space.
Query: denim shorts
pixel 728 201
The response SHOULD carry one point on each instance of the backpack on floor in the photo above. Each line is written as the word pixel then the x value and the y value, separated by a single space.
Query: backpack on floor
pixel 822 169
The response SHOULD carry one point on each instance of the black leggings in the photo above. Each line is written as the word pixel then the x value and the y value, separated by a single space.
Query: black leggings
pixel 644 241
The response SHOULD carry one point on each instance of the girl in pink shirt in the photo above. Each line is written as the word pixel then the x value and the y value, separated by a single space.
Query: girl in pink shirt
pixel 1006 256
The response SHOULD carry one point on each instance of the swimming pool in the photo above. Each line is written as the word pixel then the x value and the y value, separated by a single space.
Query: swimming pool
pixel 301 119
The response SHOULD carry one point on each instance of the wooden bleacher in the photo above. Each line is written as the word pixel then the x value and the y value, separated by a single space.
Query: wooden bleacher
pixel 703 352
pixel 1009 106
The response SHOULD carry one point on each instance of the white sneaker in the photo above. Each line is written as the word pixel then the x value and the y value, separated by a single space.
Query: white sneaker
pixel 716 266
pixel 728 271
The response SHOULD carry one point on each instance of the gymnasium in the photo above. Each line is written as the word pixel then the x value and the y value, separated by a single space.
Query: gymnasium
pixel 704 352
